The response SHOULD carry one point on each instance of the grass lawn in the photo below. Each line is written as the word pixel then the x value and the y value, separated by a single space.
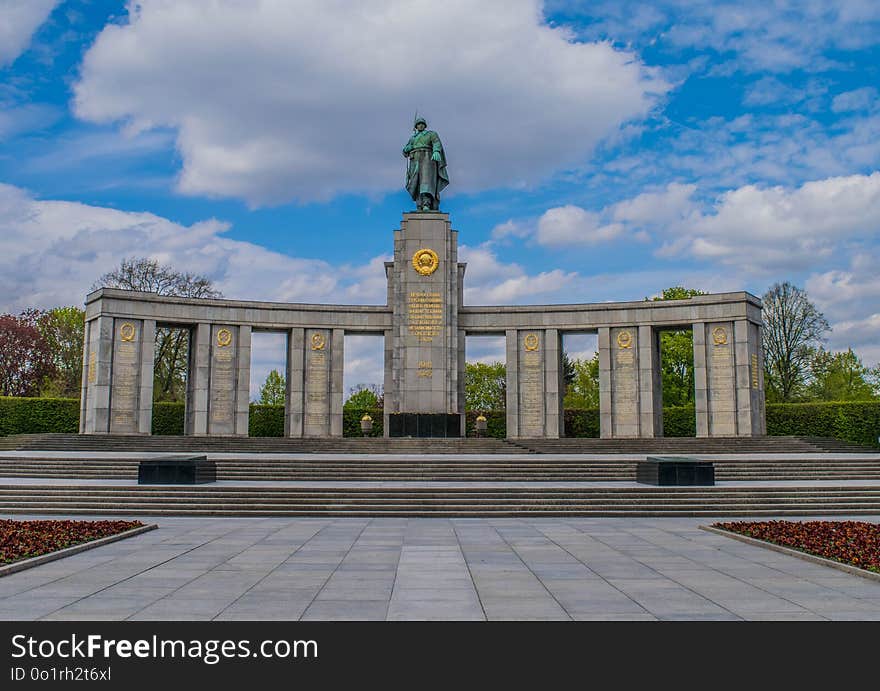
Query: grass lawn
pixel 856 543
pixel 25 539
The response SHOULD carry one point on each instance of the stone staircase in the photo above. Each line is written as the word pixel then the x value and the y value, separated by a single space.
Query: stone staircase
pixel 208 500
pixel 445 468
pixel 379 445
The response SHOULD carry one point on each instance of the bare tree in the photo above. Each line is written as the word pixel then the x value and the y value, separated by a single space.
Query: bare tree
pixel 172 350
pixel 793 327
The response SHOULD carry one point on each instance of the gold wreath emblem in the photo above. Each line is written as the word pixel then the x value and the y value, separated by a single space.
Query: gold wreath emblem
pixel 530 342
pixel 224 337
pixel 318 341
pixel 625 339
pixel 127 331
pixel 719 335
pixel 425 261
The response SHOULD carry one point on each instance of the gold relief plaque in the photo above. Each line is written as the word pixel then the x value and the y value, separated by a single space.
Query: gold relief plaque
pixel 93 368
pixel 318 341
pixel 224 337
pixel 530 342
pixel 425 261
pixel 719 335
pixel 624 339
pixel 127 331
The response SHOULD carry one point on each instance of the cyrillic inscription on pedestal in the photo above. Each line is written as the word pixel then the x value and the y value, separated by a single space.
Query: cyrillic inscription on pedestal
pixel 531 385
pixel 221 404
pixel 316 403
pixel 624 382
pixel 720 375
pixel 124 389
pixel 424 315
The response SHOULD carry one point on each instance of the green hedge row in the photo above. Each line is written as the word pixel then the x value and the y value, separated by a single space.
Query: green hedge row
pixel 851 421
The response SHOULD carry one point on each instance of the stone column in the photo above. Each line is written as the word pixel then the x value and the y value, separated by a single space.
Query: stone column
pixel 750 415
pixel 512 370
pixel 534 383
pixel 243 382
pixel 390 400
pixel 317 360
pixel 701 385
pixel 337 365
pixel 229 380
pixel 97 363
pixel 293 409
pixel 606 427
pixel 717 360
pixel 625 388
pixel 197 380
pixel 650 383
pixel 554 383
pixel 148 355
pixel 131 376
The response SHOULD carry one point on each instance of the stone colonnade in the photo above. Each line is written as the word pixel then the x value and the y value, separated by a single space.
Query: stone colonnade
pixel 424 324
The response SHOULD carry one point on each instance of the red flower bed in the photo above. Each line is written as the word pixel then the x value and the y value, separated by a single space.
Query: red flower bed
pixel 851 542
pixel 26 539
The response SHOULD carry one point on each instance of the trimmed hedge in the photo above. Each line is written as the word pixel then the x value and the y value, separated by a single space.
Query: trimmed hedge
pixel 167 418
pixel 850 421
pixel 857 421
pixel 35 415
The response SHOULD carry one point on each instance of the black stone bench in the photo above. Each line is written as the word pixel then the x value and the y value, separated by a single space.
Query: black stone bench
pixel 675 470
pixel 442 425
pixel 177 470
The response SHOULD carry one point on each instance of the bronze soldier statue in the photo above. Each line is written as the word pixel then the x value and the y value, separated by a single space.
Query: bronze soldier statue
pixel 426 173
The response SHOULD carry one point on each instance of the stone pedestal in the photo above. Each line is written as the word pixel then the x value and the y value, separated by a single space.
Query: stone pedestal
pixel 425 363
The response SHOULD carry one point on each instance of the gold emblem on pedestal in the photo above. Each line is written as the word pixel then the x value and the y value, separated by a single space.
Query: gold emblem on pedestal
pixel 719 335
pixel 624 340
pixel 425 261
pixel 530 342
pixel 318 341
pixel 224 337
pixel 127 331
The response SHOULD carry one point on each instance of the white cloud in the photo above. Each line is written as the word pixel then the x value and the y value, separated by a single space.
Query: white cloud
pixel 52 251
pixel 572 225
pixel 768 229
pixel 18 21
pixel 858 99
pixel 758 35
pixel 277 100
pixel 669 205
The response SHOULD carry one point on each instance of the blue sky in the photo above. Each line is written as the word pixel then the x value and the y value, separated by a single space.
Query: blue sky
pixel 597 150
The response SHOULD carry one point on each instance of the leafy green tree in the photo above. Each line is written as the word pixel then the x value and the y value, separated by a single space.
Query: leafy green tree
pixel 793 328
pixel 583 390
pixel 485 386
pixel 273 390
pixel 840 377
pixel 677 354
pixel 172 344
pixel 364 397
pixel 62 328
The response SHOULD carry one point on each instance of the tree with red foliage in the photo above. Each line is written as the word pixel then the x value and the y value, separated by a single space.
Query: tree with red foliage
pixel 25 356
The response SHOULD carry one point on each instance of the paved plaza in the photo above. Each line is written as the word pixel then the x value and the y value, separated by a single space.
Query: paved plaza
pixel 436 569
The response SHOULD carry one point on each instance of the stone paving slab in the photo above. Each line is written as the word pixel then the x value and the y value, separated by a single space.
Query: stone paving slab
pixel 582 569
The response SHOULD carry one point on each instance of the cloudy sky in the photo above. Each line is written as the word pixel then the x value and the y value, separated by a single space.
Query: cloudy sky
pixel 598 150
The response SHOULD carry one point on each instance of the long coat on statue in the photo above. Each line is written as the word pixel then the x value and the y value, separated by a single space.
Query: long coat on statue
pixel 424 175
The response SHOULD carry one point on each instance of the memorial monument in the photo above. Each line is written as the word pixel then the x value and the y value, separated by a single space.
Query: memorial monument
pixel 424 323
